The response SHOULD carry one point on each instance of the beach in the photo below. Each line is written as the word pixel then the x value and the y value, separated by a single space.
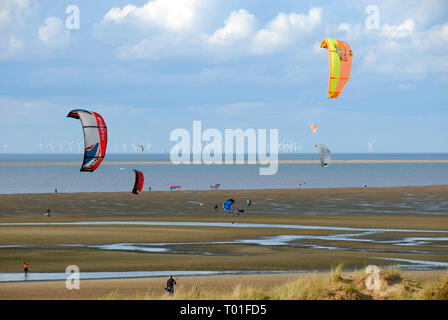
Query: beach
pixel 214 287
pixel 293 231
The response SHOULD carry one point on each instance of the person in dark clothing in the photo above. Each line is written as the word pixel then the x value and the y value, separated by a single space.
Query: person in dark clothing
pixel 170 285
pixel 216 208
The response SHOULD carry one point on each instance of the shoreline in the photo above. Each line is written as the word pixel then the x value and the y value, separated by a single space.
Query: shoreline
pixel 129 275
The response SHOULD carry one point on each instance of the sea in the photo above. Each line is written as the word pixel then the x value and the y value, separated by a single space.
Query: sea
pixel 67 178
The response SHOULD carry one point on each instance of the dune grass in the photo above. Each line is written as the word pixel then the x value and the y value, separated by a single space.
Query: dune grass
pixel 336 285
pixel 435 290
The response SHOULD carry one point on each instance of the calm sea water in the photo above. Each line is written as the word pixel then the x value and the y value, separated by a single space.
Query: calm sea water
pixel 108 178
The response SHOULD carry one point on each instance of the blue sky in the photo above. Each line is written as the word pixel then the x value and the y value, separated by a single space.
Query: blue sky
pixel 150 67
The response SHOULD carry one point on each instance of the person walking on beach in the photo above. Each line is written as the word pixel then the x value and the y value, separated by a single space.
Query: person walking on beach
pixel 216 208
pixel 170 285
pixel 26 268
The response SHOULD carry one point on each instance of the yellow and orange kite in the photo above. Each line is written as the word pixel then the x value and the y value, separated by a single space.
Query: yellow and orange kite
pixel 340 55
pixel 314 128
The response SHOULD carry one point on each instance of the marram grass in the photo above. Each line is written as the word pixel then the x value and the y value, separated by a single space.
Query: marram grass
pixel 337 285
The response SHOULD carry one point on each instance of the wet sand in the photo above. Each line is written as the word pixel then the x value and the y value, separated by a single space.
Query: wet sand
pixel 277 203
pixel 402 215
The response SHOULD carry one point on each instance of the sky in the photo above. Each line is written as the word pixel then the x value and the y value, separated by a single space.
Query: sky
pixel 150 67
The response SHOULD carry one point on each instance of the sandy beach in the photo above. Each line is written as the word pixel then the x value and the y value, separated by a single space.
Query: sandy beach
pixel 152 288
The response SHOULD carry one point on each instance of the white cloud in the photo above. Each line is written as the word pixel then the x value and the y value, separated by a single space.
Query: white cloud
pixel 404 49
pixel 441 31
pixel 118 15
pixel 174 15
pixel 19 37
pixel 54 34
pixel 400 31
pixel 433 38
pixel 159 28
pixel 284 30
pixel 12 11
pixel 12 16
pixel 238 26
pixel 240 35
pixel 170 28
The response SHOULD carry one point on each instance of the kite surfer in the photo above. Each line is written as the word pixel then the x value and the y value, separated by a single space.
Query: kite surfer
pixel 170 285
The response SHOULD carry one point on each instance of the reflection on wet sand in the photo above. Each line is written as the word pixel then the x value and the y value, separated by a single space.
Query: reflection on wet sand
pixel 57 276
pixel 377 240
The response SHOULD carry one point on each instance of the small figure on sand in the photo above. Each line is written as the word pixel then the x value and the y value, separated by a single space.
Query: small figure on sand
pixel 216 208
pixel 26 268
pixel 55 190
pixel 149 189
pixel 365 186
pixel 47 213
pixel 170 285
